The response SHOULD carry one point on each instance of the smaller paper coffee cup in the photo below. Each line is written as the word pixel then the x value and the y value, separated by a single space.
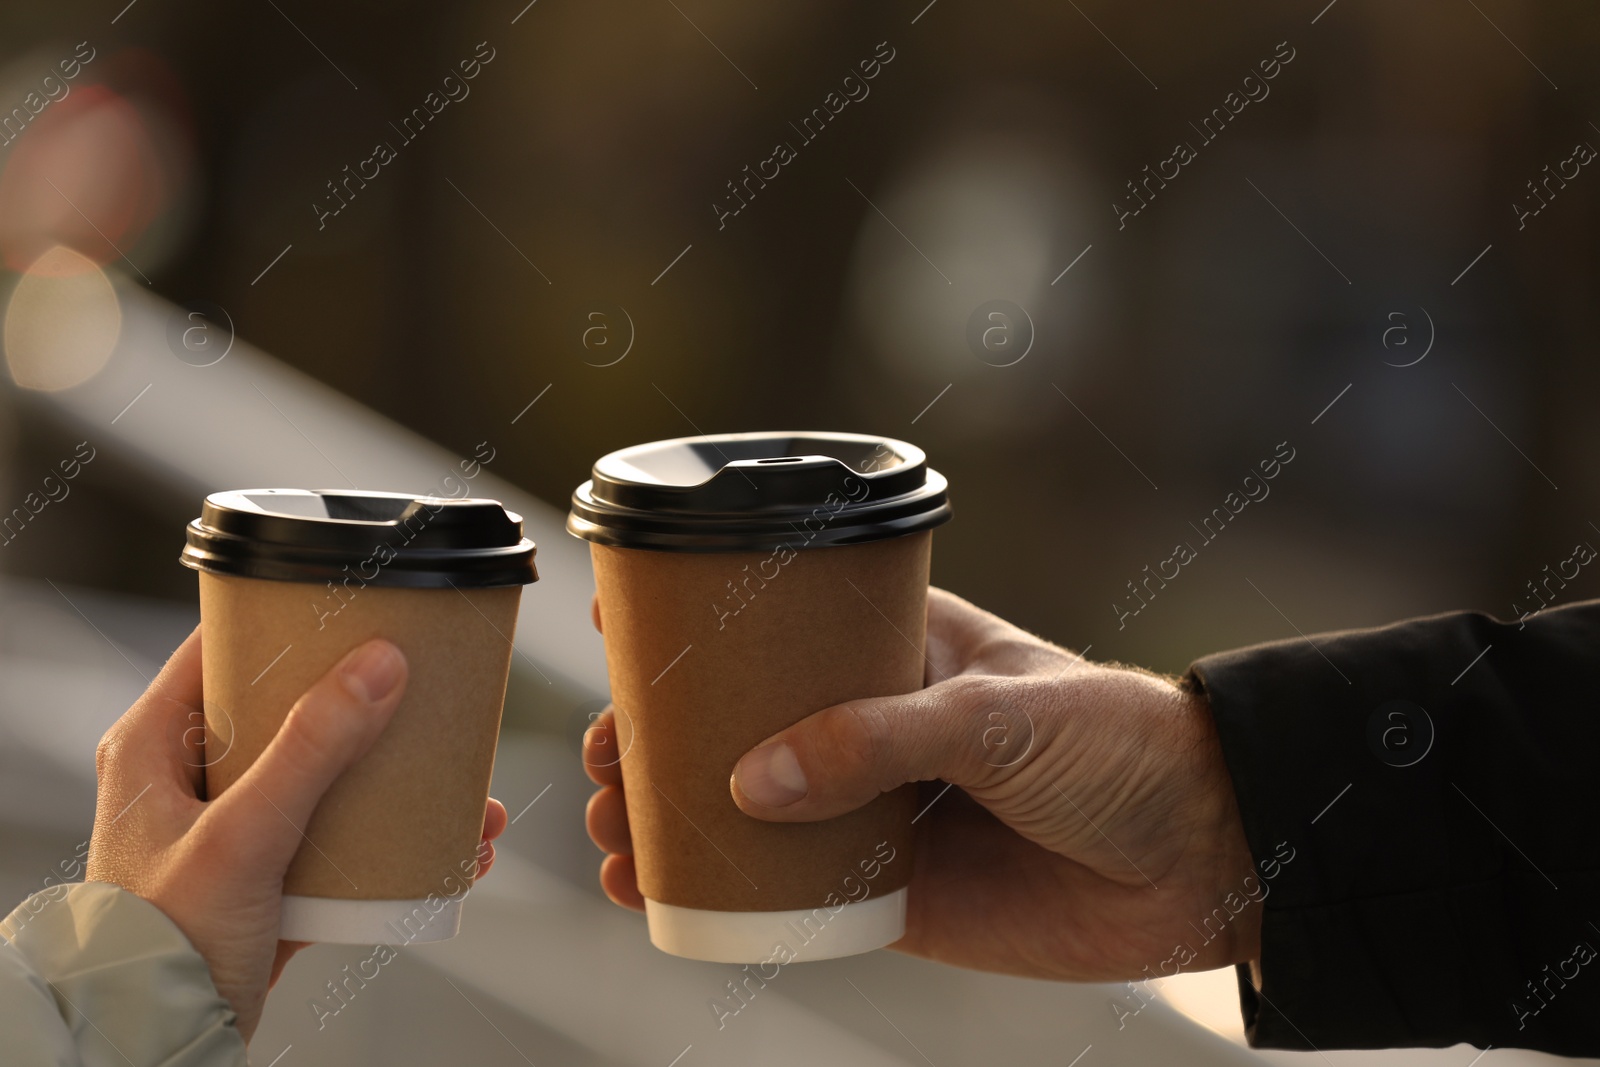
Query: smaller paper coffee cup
pixel 291 581
pixel 746 581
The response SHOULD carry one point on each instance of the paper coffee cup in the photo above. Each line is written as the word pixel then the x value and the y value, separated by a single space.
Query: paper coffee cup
pixel 291 581
pixel 746 581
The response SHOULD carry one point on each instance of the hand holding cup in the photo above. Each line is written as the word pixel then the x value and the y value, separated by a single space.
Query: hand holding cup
pixel 216 868
pixel 1091 818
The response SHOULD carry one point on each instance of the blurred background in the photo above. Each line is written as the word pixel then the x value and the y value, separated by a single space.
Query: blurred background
pixel 317 245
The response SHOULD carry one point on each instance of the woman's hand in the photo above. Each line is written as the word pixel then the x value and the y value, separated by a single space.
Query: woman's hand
pixel 216 868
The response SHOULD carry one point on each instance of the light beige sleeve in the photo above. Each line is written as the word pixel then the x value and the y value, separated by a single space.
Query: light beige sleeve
pixel 94 976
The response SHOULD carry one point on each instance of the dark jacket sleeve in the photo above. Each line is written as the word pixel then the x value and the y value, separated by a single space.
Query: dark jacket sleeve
pixel 1436 784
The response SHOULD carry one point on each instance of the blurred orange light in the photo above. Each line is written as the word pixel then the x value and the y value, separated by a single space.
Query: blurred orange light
pixel 62 323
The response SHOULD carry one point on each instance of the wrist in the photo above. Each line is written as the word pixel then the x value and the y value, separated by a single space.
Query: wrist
pixel 1226 869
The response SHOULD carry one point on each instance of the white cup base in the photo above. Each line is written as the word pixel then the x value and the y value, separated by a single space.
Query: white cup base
pixel 760 936
pixel 369 922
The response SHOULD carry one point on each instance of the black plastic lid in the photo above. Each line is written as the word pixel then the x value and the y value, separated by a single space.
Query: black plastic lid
pixel 385 539
pixel 752 491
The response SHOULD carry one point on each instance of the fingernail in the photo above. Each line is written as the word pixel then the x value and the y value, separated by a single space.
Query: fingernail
pixel 372 671
pixel 771 776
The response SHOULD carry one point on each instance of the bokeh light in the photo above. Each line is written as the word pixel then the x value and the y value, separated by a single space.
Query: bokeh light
pixel 62 321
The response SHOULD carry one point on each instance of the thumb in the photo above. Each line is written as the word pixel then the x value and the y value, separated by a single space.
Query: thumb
pixel 842 757
pixel 332 726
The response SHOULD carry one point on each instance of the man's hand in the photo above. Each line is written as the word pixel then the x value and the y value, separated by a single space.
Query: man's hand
pixel 216 869
pixel 1092 829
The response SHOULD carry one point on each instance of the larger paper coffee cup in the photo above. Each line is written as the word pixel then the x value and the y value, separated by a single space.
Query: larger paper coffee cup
pixel 290 581
pixel 746 581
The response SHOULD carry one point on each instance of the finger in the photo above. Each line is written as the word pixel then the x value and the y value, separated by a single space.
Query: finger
pixel 958 632
pixel 594 610
pixel 606 818
pixel 154 741
pixel 286 952
pixel 621 883
pixel 494 820
pixel 264 814
pixel 601 752
pixel 844 756
pixel 485 858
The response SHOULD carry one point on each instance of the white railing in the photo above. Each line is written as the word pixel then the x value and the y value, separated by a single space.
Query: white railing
pixel 252 421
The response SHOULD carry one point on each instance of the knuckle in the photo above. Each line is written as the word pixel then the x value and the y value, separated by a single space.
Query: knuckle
pixel 310 733
pixel 105 751
pixel 968 696
pixel 856 744
pixel 1003 728
pixel 1048 751
pixel 1010 650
